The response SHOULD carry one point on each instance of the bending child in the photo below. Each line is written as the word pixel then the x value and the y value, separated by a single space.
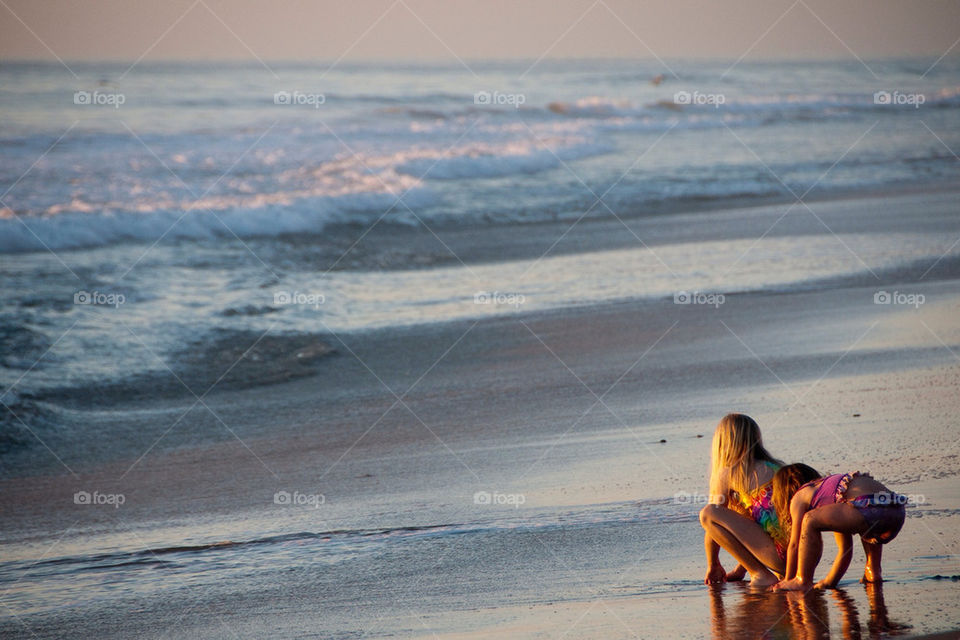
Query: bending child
pixel 845 503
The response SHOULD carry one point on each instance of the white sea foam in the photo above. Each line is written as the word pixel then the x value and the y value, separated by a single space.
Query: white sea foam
pixel 290 200
pixel 78 228
pixel 487 161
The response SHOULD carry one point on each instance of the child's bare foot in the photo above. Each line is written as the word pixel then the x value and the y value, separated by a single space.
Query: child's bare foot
pixel 792 585
pixel 764 580
pixel 737 574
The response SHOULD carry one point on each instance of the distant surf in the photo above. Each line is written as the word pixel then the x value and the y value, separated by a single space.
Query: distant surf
pixel 224 159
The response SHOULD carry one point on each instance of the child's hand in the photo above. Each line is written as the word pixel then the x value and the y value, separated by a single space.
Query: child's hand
pixel 715 575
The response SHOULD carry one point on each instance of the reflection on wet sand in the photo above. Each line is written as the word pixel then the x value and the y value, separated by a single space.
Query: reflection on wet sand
pixel 766 614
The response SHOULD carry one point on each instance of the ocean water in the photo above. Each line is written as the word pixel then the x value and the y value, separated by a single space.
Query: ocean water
pixel 164 226
pixel 161 141
pixel 154 213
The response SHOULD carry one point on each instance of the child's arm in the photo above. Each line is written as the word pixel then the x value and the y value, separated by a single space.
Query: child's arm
pixel 715 571
pixel 840 564
pixel 719 496
pixel 798 508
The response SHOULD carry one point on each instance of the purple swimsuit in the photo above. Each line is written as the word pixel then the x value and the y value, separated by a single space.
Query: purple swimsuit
pixel 831 489
pixel 884 512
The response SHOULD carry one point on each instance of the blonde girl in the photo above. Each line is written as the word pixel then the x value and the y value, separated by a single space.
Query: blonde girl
pixel 740 517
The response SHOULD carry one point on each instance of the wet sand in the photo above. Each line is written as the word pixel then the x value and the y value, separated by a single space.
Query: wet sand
pixel 599 417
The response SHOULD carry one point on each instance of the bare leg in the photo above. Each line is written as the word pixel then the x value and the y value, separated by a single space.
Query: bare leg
pixel 871 572
pixel 744 540
pixel 842 518
pixel 811 549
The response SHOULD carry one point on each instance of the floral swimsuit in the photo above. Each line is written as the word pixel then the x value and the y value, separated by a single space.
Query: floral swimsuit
pixel 759 506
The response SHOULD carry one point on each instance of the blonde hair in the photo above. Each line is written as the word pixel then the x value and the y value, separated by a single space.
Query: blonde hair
pixel 786 481
pixel 737 446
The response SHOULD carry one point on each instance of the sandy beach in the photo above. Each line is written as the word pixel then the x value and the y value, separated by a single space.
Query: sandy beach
pixel 414 319
pixel 536 474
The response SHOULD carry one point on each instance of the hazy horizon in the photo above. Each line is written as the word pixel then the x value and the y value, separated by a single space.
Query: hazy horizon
pixel 430 62
pixel 471 30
